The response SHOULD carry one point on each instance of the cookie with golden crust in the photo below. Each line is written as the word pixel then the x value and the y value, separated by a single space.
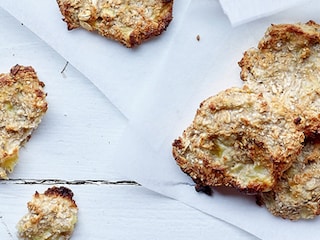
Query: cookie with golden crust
pixel 130 22
pixel 297 194
pixel 238 139
pixel 286 66
pixel 52 215
pixel 23 104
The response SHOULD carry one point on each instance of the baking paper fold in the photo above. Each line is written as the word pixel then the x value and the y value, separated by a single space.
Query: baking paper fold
pixel 159 86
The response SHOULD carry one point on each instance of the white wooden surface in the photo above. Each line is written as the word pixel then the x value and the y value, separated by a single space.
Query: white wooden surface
pixel 72 147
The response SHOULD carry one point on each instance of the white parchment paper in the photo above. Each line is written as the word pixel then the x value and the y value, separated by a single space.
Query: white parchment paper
pixel 243 11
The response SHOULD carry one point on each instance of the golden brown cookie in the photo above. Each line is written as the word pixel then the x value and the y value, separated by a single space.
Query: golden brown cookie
pixel 286 66
pixel 130 22
pixel 52 215
pixel 297 194
pixel 23 103
pixel 240 140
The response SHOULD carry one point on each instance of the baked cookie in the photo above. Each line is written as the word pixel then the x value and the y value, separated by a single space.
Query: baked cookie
pixel 52 215
pixel 23 103
pixel 238 139
pixel 297 194
pixel 286 66
pixel 127 21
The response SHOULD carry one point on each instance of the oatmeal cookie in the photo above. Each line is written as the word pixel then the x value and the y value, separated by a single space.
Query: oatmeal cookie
pixel 286 66
pixel 129 22
pixel 23 104
pixel 297 194
pixel 52 215
pixel 238 139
